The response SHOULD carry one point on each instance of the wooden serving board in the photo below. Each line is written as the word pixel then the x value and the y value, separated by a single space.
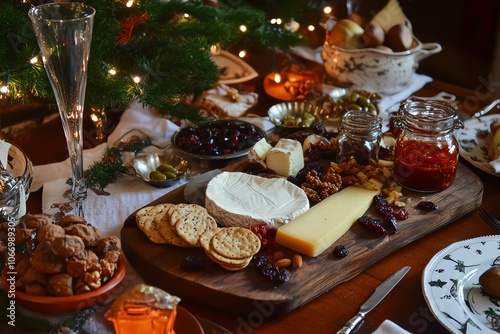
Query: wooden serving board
pixel 247 291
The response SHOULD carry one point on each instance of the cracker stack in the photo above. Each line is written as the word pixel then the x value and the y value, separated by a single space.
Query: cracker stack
pixel 190 225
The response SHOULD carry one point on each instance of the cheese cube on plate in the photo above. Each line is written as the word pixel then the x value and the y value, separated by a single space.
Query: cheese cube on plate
pixel 286 157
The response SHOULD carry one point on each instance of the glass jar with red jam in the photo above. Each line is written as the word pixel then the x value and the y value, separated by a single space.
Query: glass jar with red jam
pixel 426 152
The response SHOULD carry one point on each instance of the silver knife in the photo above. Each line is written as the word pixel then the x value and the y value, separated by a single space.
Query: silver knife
pixel 380 292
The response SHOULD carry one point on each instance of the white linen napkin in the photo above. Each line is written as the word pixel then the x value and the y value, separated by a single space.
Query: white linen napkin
pixel 389 327
pixel 129 193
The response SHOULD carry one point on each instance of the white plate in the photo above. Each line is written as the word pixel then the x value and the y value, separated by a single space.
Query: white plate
pixel 232 69
pixel 474 148
pixel 450 285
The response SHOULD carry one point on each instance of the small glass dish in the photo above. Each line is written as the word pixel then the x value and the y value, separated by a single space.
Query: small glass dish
pixel 294 115
pixel 145 164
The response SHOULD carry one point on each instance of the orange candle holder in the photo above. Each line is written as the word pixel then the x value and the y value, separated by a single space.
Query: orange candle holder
pixel 144 309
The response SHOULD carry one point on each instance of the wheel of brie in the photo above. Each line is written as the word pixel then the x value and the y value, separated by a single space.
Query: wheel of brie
pixel 240 199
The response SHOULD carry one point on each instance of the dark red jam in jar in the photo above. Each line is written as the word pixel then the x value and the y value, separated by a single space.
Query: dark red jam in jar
pixel 426 152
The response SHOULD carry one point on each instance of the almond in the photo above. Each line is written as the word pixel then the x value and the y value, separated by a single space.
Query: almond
pixel 278 256
pixel 297 261
pixel 283 263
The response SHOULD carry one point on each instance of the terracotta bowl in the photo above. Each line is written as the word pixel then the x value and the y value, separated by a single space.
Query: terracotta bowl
pixel 375 70
pixel 59 305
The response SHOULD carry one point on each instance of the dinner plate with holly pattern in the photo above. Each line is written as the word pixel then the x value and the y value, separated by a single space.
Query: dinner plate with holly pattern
pixel 473 140
pixel 451 288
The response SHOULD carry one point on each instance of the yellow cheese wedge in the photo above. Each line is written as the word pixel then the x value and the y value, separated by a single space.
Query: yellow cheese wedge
pixel 318 228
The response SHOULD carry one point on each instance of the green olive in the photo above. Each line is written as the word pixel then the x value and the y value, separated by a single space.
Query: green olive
pixel 157 176
pixel 170 175
pixel 167 168
pixel 355 107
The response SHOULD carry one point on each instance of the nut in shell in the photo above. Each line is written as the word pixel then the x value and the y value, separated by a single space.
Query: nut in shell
pixel 173 168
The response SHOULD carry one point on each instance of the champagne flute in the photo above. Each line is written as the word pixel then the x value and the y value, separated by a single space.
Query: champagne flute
pixel 64 32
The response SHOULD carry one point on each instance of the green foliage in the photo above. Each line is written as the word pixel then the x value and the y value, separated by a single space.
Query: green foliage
pixel 169 51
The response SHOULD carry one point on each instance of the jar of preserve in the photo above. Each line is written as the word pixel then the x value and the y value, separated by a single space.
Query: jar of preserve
pixel 426 151
pixel 359 137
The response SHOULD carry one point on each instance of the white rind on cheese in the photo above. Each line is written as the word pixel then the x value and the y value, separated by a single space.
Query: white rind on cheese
pixel 239 199
pixel 286 157
pixel 318 228
pixel 258 152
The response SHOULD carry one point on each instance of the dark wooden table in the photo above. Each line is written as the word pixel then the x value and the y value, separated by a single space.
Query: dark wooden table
pixel 405 305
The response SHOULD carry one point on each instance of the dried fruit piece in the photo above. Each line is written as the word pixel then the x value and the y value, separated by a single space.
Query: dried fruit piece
pixel 193 263
pixel 340 251
pixel 374 225
pixel 427 205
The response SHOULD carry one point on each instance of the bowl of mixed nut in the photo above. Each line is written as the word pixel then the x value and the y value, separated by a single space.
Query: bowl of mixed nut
pixel 63 265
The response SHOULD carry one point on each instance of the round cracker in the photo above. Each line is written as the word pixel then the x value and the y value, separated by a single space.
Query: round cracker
pixel 140 214
pixel 192 226
pixel 181 210
pixel 149 227
pixel 145 218
pixel 235 242
pixel 167 231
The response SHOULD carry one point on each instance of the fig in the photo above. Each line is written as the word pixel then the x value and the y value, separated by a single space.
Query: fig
pixel 373 35
pixel 399 38
pixel 345 34
pixel 490 282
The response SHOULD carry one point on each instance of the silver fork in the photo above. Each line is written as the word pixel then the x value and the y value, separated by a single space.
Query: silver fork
pixel 492 221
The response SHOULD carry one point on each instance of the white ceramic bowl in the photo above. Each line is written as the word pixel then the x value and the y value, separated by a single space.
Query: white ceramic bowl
pixel 375 70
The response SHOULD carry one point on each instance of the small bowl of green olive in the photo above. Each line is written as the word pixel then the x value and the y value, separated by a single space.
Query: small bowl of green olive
pixel 160 171
pixel 298 114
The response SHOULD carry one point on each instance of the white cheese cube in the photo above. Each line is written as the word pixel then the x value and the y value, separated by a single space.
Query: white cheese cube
pixel 286 157
pixel 259 151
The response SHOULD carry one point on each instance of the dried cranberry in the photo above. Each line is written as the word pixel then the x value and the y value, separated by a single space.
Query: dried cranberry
pixel 340 251
pixel 400 213
pixel 193 263
pixel 379 200
pixel 374 225
pixel 387 212
pixel 427 205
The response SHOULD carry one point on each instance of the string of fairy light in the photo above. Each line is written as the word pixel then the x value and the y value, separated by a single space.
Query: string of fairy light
pixel 137 78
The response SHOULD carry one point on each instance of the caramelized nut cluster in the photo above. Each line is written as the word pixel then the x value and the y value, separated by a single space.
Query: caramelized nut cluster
pixel 63 258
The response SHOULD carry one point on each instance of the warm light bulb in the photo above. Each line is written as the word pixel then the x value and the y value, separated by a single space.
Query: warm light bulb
pixel 242 54
pixel 279 21
pixel 310 27
pixel 243 28
pixel 215 49
pixel 277 77
pixel 129 3
pixel 4 89
pixel 273 21
pixel 327 10
pixel 34 60
pixel 112 71
pixel 136 79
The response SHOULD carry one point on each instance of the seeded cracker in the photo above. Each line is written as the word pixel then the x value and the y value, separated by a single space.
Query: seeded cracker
pixel 226 263
pixel 162 223
pixel 235 242
pixel 148 227
pixel 192 226
pixel 181 210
